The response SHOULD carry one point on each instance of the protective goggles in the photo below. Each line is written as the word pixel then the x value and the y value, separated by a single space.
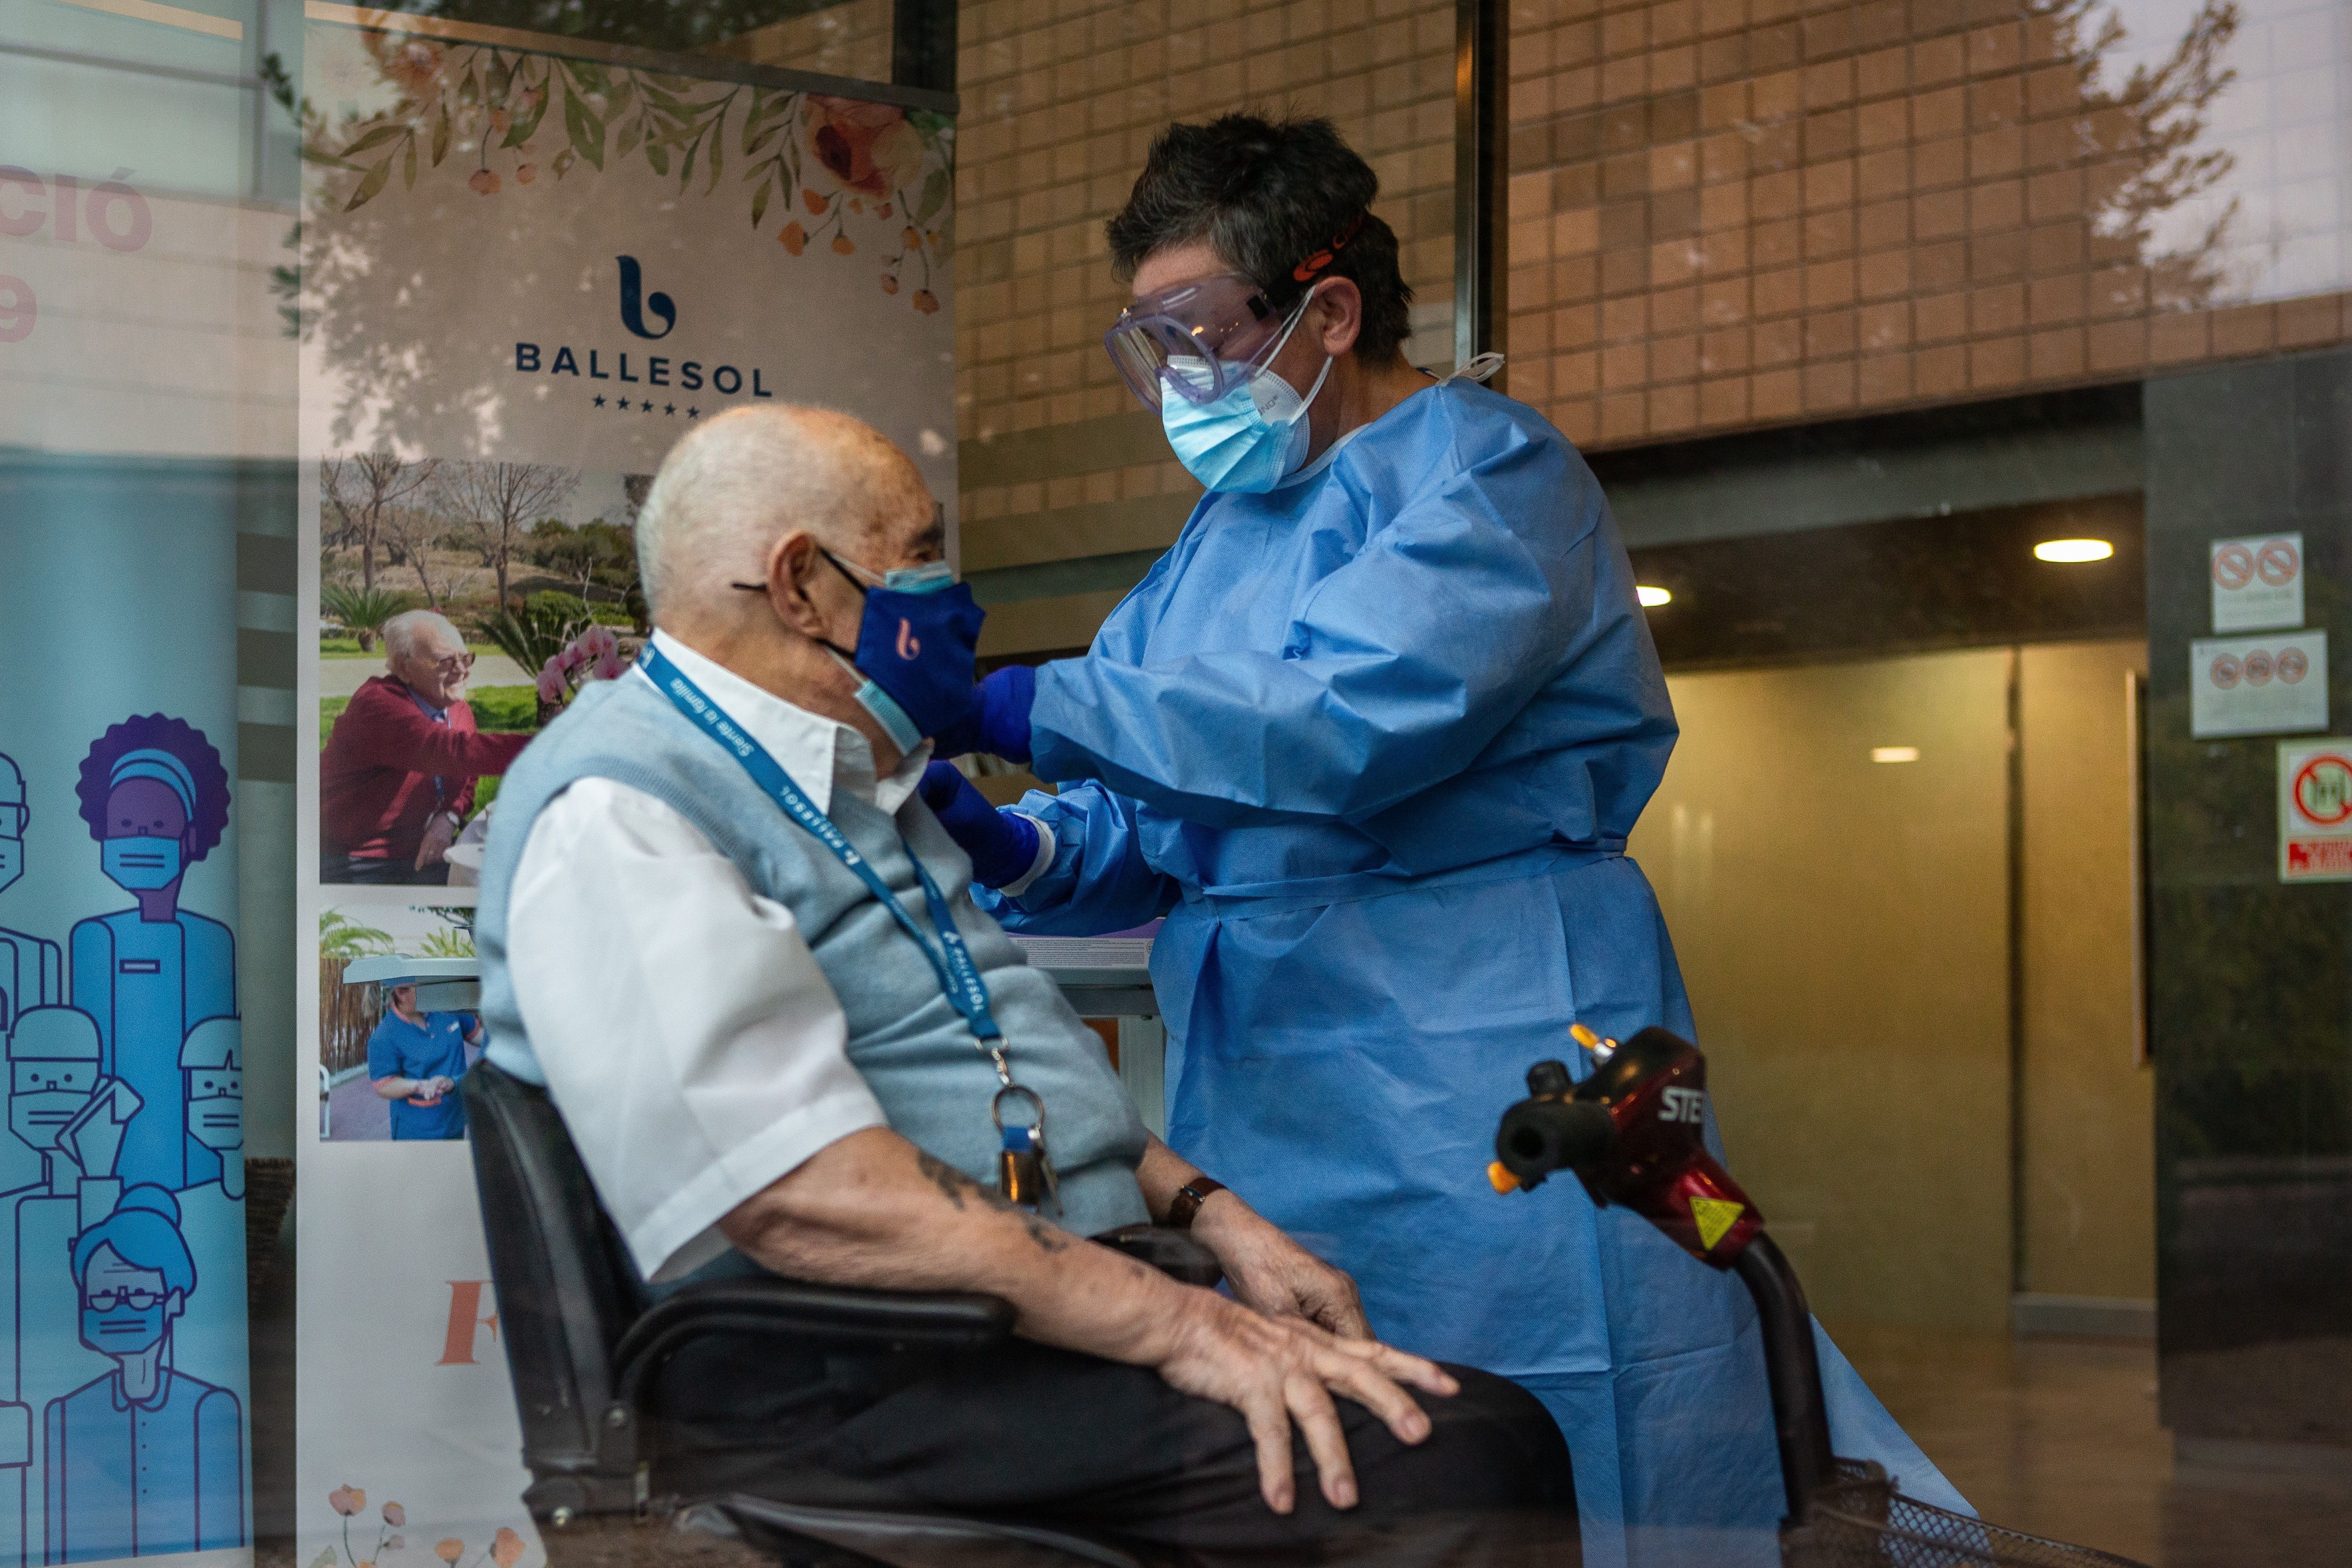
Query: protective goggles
pixel 1205 336
pixel 1201 338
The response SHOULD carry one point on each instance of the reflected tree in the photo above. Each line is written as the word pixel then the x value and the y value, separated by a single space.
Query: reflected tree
pixel 2142 137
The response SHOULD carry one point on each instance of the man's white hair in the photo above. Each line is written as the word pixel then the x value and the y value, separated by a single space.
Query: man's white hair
pixel 405 631
pixel 732 487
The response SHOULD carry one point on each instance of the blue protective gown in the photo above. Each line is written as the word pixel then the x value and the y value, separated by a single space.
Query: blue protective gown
pixel 1373 743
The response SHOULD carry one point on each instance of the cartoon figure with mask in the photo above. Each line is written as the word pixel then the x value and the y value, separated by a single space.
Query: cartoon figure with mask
pixel 210 1341
pixel 53 1077
pixel 156 798
pixel 144 1459
pixel 31 975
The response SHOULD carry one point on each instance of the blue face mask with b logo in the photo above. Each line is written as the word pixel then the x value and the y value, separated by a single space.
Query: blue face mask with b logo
pixel 917 644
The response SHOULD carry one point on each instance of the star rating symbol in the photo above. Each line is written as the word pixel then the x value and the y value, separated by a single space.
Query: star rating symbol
pixel 647 405
pixel 693 413
pixel 600 400
pixel 622 406
pixel 668 409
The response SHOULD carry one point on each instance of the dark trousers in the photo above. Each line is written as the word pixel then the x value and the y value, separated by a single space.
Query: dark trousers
pixel 1039 1436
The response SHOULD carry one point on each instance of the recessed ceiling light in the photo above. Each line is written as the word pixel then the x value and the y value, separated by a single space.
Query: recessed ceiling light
pixel 1894 754
pixel 2073 550
pixel 1651 597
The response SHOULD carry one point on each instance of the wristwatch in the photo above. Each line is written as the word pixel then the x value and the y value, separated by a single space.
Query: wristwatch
pixel 1186 1205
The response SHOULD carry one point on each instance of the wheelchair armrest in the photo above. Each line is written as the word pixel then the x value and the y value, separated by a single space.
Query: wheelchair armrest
pixel 832 1316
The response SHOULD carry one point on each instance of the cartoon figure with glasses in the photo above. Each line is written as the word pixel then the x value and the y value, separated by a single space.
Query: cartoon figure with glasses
pixel 144 1459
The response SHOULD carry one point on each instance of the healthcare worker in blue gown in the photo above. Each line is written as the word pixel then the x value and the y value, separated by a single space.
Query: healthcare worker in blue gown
pixel 1372 736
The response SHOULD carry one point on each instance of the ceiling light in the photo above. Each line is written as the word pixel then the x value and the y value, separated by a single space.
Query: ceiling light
pixel 1651 597
pixel 1894 754
pixel 2073 550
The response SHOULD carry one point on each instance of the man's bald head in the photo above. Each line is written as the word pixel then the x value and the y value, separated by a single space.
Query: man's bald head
pixel 732 487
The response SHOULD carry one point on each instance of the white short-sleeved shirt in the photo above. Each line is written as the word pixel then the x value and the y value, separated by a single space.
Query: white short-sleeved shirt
pixel 688 1035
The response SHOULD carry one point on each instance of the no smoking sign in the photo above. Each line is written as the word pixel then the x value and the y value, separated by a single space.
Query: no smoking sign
pixel 2257 582
pixel 2316 811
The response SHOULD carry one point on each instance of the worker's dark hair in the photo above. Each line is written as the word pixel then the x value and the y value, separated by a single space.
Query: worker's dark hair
pixel 1271 196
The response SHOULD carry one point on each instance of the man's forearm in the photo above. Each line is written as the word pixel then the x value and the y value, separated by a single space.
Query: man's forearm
pixel 873 1210
pixel 396 1087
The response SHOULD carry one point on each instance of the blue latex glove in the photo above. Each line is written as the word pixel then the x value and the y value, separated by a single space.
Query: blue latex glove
pixel 1002 844
pixel 997 721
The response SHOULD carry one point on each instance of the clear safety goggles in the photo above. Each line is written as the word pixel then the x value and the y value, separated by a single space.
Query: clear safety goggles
pixel 1202 338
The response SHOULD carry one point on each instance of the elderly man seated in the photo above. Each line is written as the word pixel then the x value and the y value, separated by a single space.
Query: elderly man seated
pixel 397 776
pixel 710 918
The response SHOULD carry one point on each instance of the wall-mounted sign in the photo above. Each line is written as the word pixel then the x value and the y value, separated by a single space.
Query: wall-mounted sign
pixel 2258 685
pixel 2257 582
pixel 2315 810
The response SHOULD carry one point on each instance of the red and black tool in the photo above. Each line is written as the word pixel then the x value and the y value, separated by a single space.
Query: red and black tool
pixel 1634 1134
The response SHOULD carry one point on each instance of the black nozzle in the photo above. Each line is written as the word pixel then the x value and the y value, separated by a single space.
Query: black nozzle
pixel 1543 1135
pixel 1548 1078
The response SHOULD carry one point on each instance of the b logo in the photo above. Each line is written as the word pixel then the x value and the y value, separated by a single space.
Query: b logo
pixel 632 315
pixel 910 646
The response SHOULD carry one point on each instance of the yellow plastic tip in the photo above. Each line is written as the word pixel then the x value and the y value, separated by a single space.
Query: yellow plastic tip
pixel 1501 1176
pixel 1583 1036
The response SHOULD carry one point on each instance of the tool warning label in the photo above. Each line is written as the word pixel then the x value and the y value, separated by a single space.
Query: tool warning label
pixel 1714 1216
pixel 2316 811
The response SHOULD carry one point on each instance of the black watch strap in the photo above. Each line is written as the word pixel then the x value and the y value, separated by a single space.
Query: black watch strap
pixel 1186 1206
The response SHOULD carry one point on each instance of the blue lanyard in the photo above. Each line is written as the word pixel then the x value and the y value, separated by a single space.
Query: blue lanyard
pixel 950 960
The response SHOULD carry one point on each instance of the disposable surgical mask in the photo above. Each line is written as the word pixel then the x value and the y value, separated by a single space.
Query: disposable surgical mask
pixel 142 864
pixel 216 1110
pixel 123 1329
pixel 11 860
pixel 1249 439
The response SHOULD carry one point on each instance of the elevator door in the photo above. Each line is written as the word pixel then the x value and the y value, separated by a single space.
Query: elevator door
pixel 1844 927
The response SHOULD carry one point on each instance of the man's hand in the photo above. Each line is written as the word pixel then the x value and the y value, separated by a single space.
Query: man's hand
pixel 1275 1371
pixel 439 834
pixel 1267 1269
pixel 1274 1275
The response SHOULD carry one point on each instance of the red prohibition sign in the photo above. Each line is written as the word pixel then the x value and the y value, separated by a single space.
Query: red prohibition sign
pixel 2323 789
pixel 2233 566
pixel 2257 668
pixel 2224 671
pixel 2291 665
pixel 2278 562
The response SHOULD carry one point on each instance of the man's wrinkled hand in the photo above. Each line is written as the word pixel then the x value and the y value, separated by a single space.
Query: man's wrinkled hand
pixel 1274 1275
pixel 1275 1371
pixel 439 834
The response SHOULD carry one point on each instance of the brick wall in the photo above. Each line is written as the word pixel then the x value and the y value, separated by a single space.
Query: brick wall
pixel 1730 213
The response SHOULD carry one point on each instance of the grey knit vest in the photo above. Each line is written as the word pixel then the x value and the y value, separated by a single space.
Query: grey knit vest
pixel 912 1048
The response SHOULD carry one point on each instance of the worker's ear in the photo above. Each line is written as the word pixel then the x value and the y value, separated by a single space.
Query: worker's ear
pixel 794 564
pixel 1336 317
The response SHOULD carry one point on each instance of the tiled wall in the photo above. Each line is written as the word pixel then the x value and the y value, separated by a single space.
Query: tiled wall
pixel 1727 213
pixel 1061 99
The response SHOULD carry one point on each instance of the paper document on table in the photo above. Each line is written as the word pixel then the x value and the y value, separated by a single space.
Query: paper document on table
pixel 1087 951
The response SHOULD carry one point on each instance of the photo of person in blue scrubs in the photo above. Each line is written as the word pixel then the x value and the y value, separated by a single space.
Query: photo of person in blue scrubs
pixel 1370 737
pixel 415 1060
pixel 156 798
pixel 143 1460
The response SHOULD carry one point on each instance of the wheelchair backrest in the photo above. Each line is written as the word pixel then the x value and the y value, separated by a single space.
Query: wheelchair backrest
pixel 566 1288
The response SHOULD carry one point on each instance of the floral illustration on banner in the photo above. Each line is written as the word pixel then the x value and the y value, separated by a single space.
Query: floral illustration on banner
pixel 846 175
pixel 503 1549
